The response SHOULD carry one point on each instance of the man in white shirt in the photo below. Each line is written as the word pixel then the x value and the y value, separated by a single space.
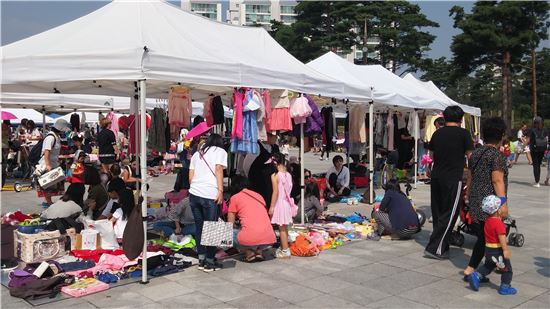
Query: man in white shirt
pixel 338 178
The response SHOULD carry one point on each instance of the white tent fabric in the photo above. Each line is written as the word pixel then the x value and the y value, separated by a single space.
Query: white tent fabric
pixel 27 113
pixel 429 86
pixel 388 88
pixel 107 50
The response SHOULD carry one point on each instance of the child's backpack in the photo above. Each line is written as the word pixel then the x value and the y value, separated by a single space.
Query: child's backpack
pixel 36 152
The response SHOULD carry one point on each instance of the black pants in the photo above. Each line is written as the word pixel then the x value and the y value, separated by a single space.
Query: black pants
pixel 479 248
pixel 445 197
pixel 333 182
pixel 537 162
pixel 490 265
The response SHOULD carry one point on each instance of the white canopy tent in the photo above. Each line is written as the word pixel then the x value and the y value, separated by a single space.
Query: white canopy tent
pixel 27 113
pixel 157 45
pixel 430 87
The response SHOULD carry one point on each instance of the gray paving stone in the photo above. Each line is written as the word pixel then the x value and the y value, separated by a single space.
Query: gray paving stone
pixel 294 293
pixel 344 259
pixel 491 297
pixel 532 277
pixel 361 295
pixel 15 304
pixel 296 274
pixel 396 302
pixel 401 282
pixel 328 301
pixel 425 295
pixel 355 275
pixel 259 301
pixel 324 267
pixel 165 290
pixel 543 298
pixel 117 297
pixel 325 284
pixel 382 270
pixel 227 291
pixel 533 304
pixel 191 300
pixel 265 283
pixel 237 275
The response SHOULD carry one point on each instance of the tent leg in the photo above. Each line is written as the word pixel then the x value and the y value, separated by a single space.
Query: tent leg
pixel 371 152
pixel 44 119
pixel 416 133
pixel 302 162
pixel 143 167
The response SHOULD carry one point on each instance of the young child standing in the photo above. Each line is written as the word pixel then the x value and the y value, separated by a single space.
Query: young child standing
pixel 497 254
pixel 282 207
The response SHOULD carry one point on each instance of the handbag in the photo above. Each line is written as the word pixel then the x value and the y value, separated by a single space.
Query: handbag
pixel 224 208
pixel 217 234
pixel 36 248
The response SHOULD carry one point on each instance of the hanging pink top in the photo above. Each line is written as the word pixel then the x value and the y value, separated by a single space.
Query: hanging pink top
pixel 114 122
pixel 207 111
pixel 267 103
pixel 179 108
pixel 237 130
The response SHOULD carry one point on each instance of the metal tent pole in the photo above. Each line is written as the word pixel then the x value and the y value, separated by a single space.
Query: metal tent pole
pixel 143 167
pixel 302 162
pixel 371 151
pixel 44 120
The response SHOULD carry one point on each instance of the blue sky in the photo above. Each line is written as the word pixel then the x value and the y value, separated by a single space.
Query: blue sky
pixel 21 19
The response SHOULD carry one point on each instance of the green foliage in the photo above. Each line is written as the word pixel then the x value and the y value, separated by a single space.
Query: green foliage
pixel 323 26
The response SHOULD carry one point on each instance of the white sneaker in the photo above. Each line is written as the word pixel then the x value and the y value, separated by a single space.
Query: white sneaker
pixel 282 254
pixel 537 185
pixel 321 158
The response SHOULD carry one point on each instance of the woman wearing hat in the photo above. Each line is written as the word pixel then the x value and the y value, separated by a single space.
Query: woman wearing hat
pixel 49 160
pixel 108 149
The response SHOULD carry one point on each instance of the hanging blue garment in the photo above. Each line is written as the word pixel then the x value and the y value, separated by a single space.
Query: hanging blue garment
pixel 249 142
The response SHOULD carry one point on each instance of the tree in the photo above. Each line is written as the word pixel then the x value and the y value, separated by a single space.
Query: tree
pixel 498 34
pixel 323 26
pixel 525 84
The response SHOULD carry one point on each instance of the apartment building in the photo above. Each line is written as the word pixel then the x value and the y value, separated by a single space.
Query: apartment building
pixel 252 13
pixel 210 9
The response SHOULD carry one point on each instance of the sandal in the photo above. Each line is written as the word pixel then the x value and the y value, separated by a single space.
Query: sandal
pixel 259 258
pixel 250 259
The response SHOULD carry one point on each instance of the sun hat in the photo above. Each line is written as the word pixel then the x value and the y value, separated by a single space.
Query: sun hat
pixel 491 204
pixel 61 125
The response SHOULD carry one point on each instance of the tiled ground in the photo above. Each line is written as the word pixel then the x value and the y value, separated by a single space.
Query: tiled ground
pixel 385 274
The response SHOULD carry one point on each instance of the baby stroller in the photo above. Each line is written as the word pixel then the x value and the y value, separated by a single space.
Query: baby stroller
pixel 457 239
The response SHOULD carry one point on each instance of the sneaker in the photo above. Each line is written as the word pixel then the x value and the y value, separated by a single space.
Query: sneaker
pixel 201 264
pixel 45 205
pixel 209 267
pixel 282 254
pixel 537 185
pixel 473 278
pixel 321 158
pixel 481 280
pixel 429 255
pixel 506 289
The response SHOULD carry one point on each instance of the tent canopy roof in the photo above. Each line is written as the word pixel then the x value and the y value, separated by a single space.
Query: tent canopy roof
pixel 27 113
pixel 429 86
pixel 387 88
pixel 162 44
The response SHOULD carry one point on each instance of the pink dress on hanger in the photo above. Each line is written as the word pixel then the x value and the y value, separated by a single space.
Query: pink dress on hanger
pixel 237 130
pixel 179 108
pixel 207 111
pixel 285 209
pixel 114 122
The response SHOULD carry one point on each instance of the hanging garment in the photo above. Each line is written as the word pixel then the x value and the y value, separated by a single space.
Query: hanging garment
pixel 391 135
pixel 379 130
pixel 357 130
pixel 123 123
pixel 179 108
pixel 314 123
pixel 134 141
pixel 260 172
pixel 299 109
pixel 328 133
pixel 249 141
pixel 218 115
pixel 279 99
pixel 252 101
pixel 401 121
pixel 207 111
pixel 260 118
pixel 157 134
pixel 75 122
pixel 237 127
pixel 114 122
pixel 280 120
pixel 267 103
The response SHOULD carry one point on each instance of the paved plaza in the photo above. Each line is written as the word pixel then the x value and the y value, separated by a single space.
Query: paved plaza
pixel 384 274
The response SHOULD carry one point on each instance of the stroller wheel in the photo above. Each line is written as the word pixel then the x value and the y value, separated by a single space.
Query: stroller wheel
pixel 457 239
pixel 512 239
pixel 17 187
pixel 421 217
pixel 520 240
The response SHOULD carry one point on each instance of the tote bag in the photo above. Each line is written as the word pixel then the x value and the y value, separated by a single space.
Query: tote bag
pixel 217 234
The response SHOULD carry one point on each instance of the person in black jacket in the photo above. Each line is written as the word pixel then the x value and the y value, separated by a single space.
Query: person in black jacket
pixel 538 144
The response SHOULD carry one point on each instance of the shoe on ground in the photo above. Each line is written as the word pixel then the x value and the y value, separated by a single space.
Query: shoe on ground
pixel 481 279
pixel 473 279
pixel 209 267
pixel 201 264
pixel 537 185
pixel 506 289
pixel 282 254
pixel 429 255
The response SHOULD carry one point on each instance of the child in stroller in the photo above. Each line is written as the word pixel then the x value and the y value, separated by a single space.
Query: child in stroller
pixel 464 225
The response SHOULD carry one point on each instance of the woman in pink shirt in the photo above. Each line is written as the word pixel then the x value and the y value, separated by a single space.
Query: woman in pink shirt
pixel 255 232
